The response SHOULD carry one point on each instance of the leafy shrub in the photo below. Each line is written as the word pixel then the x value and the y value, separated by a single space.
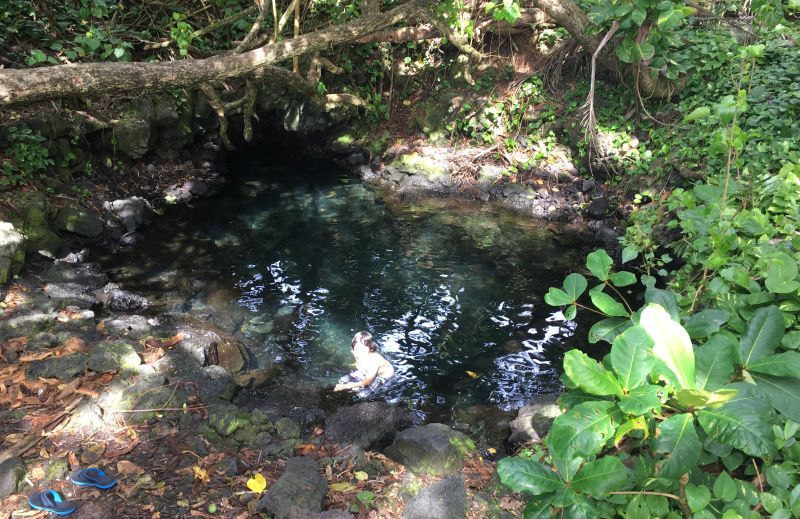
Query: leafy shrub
pixel 24 156
pixel 676 420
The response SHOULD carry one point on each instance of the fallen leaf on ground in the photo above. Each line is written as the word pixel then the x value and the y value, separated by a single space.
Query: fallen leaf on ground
pixel 201 474
pixel 127 468
pixel 257 483
pixel 343 487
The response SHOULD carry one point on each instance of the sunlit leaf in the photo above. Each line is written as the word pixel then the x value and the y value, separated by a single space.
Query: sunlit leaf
pixel 632 357
pixel 671 344
pixel 599 264
pixel 607 304
pixel 715 362
pixel 590 375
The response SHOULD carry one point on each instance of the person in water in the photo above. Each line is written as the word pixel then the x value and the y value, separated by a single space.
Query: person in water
pixel 371 366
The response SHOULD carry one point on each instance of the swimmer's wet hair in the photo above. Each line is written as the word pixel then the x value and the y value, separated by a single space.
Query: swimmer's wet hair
pixel 366 339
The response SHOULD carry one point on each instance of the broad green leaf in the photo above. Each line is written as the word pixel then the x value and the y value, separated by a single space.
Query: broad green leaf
pixel 629 254
pixel 582 508
pixel 703 324
pixel 557 297
pixel 564 497
pixel 763 334
pixel 665 299
pixel 583 430
pixel 782 392
pixel 631 357
pixel 596 478
pixel 638 16
pixel 777 477
pixel 575 285
pixel 590 375
pixel 698 497
pixel 530 477
pixel 637 508
pixel 785 364
pixel 781 274
pixel 725 487
pixel 599 264
pixel 608 329
pixel 634 424
pixel 700 112
pixel 677 437
pixel 641 400
pixel 702 398
pixel 647 50
pixel 671 344
pixel 791 341
pixel 607 304
pixel 742 423
pixel 715 362
pixel 726 109
pixel 538 509
pixel 570 312
pixel 622 279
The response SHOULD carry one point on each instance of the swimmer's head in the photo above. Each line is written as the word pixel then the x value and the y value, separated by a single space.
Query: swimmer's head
pixel 364 339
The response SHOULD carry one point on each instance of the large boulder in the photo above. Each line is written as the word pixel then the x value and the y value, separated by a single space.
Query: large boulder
pixel 74 218
pixel 32 218
pixel 366 425
pixel 301 485
pixel 534 419
pixel 71 294
pixel 433 449
pixel 131 213
pixel 12 251
pixel 446 499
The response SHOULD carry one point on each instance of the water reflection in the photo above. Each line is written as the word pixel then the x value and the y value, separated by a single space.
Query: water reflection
pixel 295 267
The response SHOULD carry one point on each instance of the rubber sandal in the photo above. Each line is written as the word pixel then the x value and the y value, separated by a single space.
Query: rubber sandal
pixel 92 478
pixel 51 501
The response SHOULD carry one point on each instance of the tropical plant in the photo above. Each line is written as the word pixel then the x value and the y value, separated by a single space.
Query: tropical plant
pixel 675 420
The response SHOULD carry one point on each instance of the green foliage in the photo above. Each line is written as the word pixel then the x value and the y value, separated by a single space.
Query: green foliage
pixel 24 157
pixel 688 396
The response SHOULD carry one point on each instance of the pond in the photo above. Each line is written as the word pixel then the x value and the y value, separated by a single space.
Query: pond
pixel 295 256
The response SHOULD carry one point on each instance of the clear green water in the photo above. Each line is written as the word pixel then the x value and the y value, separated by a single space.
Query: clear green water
pixel 296 258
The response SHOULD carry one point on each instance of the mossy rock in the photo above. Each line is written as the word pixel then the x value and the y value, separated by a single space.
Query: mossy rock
pixel 415 163
pixel 226 418
pixel 32 217
pixel 113 356
pixel 77 219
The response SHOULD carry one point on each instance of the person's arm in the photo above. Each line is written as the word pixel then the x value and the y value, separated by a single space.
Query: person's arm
pixel 371 374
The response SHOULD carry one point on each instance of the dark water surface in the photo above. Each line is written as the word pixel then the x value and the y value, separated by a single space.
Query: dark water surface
pixel 294 258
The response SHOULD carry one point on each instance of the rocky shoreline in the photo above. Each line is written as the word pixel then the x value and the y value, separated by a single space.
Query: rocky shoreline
pixel 182 388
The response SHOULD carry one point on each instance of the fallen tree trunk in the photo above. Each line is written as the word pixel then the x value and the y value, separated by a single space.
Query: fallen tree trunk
pixel 59 81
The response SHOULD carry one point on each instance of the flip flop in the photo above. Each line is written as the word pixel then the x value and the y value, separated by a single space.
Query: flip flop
pixel 92 477
pixel 51 501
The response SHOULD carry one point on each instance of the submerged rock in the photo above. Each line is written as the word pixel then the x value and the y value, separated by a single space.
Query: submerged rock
pixel 71 294
pixel 301 485
pixel 87 275
pixel 446 499
pixel 365 425
pixel 119 300
pixel 433 449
